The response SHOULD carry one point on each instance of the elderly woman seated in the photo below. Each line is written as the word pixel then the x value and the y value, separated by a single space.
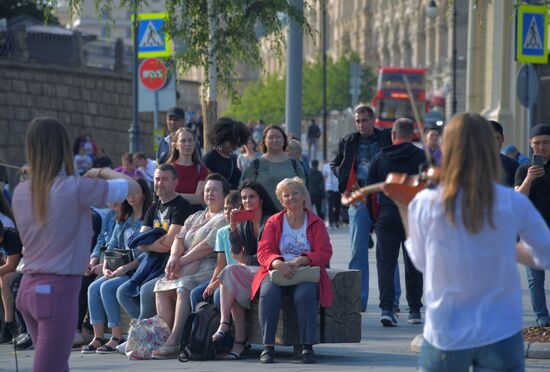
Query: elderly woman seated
pixel 191 263
pixel 291 239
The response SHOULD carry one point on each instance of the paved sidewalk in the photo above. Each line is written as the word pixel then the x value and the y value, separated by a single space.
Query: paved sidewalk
pixel 381 349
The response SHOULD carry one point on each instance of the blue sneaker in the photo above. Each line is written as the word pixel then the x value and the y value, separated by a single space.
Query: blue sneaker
pixel 414 318
pixel 388 319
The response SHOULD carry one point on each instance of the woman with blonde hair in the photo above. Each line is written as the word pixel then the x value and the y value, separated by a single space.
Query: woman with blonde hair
pixel 292 238
pixel 52 210
pixel 462 236
pixel 186 158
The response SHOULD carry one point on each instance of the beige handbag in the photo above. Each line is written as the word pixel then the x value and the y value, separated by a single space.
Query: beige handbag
pixel 303 274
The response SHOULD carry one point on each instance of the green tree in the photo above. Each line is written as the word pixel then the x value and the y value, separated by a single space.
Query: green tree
pixel 37 9
pixel 237 39
pixel 266 98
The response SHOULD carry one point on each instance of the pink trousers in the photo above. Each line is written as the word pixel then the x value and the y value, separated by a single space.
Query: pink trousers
pixel 49 305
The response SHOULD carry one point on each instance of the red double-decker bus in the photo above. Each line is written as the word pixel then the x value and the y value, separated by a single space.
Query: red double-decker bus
pixel 392 100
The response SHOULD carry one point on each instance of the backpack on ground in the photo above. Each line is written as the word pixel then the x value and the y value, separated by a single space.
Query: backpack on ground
pixel 196 340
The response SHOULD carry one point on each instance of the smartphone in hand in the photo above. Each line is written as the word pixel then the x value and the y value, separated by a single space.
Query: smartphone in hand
pixel 538 160
pixel 243 215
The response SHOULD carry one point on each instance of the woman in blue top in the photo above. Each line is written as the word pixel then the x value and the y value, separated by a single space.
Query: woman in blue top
pixel 102 292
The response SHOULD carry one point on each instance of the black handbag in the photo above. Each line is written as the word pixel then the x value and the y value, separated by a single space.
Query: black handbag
pixel 118 257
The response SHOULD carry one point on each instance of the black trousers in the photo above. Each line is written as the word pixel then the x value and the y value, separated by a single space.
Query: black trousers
pixel 333 199
pixel 83 303
pixel 390 238
pixel 317 201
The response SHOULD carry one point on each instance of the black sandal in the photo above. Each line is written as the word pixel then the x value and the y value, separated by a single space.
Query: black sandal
pixel 106 349
pixel 91 348
pixel 267 355
pixel 220 335
pixel 233 355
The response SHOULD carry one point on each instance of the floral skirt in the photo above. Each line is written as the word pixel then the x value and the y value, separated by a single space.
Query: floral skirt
pixel 238 279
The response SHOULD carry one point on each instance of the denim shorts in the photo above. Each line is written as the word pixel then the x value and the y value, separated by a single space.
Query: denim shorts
pixel 505 355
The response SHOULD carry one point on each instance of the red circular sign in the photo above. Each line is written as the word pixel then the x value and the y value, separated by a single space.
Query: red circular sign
pixel 152 73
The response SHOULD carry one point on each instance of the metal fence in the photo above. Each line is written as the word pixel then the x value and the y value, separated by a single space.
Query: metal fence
pixel 7 43
pixel 66 47
pixel 108 54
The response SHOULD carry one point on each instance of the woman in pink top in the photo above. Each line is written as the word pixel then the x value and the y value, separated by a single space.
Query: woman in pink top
pixel 128 168
pixel 52 210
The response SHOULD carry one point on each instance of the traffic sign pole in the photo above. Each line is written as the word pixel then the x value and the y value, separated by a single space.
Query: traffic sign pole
pixel 134 128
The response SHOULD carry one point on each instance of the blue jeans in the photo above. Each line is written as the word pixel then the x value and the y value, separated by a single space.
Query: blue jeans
pixel 359 230
pixel 535 278
pixel 196 295
pixel 102 300
pixel 306 304
pixel 142 306
pixel 397 285
pixel 505 355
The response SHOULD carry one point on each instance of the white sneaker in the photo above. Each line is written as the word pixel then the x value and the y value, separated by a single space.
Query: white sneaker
pixel 122 347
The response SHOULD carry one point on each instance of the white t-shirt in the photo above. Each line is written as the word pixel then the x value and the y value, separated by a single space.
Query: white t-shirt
pixel 472 287
pixel 150 170
pixel 331 182
pixel 294 241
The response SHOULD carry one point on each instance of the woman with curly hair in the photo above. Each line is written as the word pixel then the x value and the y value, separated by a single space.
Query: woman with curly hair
pixel 226 135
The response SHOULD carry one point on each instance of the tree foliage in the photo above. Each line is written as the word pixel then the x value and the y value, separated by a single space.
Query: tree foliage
pixel 32 8
pixel 266 98
pixel 236 41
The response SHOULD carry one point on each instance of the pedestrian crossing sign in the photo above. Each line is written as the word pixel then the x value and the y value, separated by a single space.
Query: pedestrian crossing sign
pixel 153 40
pixel 532 34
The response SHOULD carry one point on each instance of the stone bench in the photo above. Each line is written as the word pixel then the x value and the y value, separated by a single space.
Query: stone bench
pixel 340 323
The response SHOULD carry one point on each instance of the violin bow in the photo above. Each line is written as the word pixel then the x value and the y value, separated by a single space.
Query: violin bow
pixel 10 166
pixel 360 194
pixel 418 121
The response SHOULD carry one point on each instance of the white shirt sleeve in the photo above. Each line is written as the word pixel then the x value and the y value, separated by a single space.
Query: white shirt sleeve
pixel 415 244
pixel 534 231
pixel 118 190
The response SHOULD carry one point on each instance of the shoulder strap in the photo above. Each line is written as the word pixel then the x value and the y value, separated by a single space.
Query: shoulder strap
pixel 256 163
pixel 185 355
pixel 295 165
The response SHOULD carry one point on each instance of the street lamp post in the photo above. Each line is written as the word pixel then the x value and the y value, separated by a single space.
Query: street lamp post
pixel 134 128
pixel 324 4
pixel 453 105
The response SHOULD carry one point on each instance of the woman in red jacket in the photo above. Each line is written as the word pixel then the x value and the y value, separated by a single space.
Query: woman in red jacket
pixel 292 238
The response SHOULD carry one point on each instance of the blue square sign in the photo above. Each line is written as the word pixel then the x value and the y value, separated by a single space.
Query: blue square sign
pixel 153 41
pixel 532 34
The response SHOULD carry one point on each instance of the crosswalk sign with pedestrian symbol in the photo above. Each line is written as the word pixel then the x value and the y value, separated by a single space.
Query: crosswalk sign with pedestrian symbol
pixel 532 34
pixel 153 40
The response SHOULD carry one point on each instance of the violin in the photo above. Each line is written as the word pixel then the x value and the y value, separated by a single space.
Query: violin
pixel 400 187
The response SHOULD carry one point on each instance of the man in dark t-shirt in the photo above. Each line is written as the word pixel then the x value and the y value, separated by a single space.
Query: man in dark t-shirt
pixel 509 165
pixel 10 253
pixel 226 166
pixel 402 157
pixel 170 213
pixel 534 181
